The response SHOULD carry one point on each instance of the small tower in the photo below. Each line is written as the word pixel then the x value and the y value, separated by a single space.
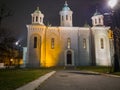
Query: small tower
pixel 97 19
pixel 66 16
pixel 37 17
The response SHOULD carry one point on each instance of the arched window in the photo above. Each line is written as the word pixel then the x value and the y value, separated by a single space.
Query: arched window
pixel 84 43
pixel 62 18
pixel 66 17
pixel 99 20
pixel 68 43
pixel 36 18
pixel 40 19
pixel 95 21
pixel 52 43
pixel 102 43
pixel 33 19
pixel 35 42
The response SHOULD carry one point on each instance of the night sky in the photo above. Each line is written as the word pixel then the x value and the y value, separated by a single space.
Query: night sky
pixel 22 9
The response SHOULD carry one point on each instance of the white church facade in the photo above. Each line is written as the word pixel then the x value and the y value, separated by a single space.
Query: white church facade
pixel 66 45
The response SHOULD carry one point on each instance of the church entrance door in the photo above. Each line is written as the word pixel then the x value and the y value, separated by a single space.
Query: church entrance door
pixel 69 58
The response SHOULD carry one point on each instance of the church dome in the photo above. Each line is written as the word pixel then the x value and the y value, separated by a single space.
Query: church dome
pixel 66 8
pixel 97 13
pixel 37 10
pixel 37 17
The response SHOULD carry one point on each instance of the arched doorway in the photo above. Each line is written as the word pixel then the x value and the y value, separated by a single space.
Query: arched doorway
pixel 69 58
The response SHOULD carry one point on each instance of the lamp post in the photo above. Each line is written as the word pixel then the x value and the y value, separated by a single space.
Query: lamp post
pixel 19 46
pixel 112 4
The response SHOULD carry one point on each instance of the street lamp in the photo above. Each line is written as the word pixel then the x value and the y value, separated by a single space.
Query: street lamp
pixel 11 61
pixel 112 3
pixel 111 14
pixel 16 43
pixel 19 46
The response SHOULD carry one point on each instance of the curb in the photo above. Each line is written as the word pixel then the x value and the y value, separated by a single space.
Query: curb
pixel 34 84
pixel 108 75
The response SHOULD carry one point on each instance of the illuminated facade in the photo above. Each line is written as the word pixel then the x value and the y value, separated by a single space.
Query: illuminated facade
pixel 66 45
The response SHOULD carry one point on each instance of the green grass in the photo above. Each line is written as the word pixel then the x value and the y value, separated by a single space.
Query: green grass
pixel 12 79
pixel 107 70
pixel 116 73
pixel 95 69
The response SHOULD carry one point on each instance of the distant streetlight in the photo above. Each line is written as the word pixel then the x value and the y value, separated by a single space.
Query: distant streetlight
pixel 19 46
pixel 11 61
pixel 16 43
pixel 112 3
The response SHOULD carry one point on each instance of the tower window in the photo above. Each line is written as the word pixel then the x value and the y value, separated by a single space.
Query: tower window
pixel 102 43
pixel 35 42
pixel 68 43
pixel 66 17
pixel 84 43
pixel 99 20
pixel 33 19
pixel 62 18
pixel 36 19
pixel 52 43
pixel 40 19
pixel 95 21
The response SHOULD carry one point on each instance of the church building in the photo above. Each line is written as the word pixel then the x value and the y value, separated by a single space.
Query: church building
pixel 66 45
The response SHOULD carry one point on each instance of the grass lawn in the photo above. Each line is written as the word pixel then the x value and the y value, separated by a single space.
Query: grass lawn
pixel 98 69
pixel 95 69
pixel 116 73
pixel 12 79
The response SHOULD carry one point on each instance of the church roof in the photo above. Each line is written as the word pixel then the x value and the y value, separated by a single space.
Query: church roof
pixel 97 13
pixel 65 8
pixel 37 10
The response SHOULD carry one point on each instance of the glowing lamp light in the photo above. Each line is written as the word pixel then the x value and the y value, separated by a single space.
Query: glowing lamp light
pixel 16 43
pixel 11 60
pixel 112 3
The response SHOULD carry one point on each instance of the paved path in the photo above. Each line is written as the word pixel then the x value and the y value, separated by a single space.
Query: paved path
pixel 80 80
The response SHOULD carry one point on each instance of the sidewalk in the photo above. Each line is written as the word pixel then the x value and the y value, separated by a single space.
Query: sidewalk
pixel 34 84
pixel 80 80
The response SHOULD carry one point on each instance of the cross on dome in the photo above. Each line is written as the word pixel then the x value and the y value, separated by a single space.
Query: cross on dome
pixel 38 9
pixel 66 8
pixel 66 3
pixel 97 13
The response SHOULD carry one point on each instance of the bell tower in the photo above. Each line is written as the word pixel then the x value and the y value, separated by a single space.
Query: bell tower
pixel 97 19
pixel 37 17
pixel 66 16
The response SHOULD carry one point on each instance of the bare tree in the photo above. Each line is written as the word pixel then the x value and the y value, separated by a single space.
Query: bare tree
pixel 4 12
pixel 6 38
pixel 117 49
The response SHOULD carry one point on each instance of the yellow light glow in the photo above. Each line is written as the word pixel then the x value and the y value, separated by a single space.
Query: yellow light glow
pixel 110 34
pixel 49 56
